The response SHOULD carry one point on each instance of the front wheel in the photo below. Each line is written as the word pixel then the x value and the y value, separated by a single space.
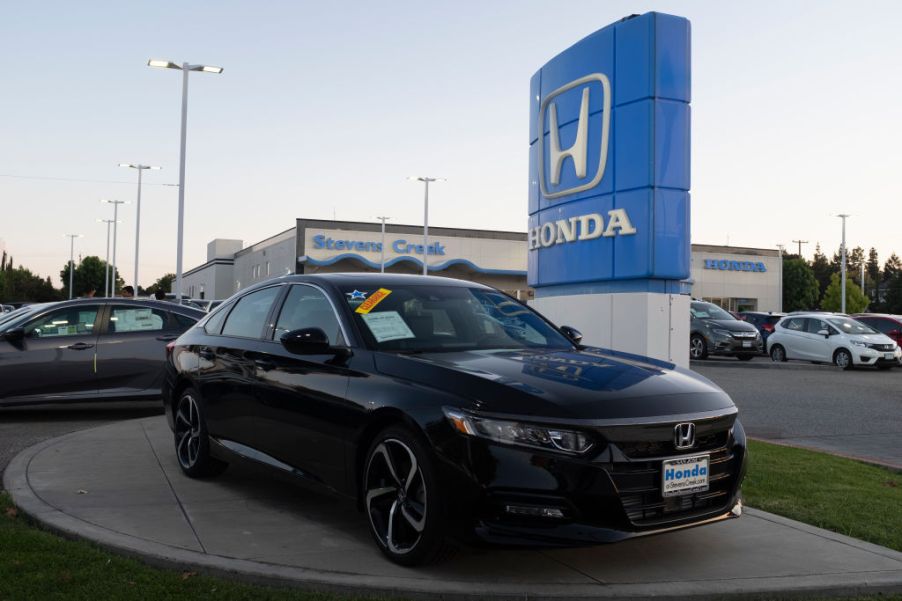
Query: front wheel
pixel 402 498
pixel 843 358
pixel 697 347
pixel 192 444
pixel 777 353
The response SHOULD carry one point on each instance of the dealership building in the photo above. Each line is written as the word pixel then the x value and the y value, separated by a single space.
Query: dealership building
pixel 735 278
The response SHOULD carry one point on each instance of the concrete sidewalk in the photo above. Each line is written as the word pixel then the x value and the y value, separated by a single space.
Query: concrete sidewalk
pixel 121 487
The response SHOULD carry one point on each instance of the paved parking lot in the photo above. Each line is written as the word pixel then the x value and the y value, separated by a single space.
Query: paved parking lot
pixel 857 413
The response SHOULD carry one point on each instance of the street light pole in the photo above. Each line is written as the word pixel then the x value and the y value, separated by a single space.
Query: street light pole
pixel 800 243
pixel 185 68
pixel 115 204
pixel 106 271
pixel 382 246
pixel 140 169
pixel 843 268
pixel 426 180
pixel 72 238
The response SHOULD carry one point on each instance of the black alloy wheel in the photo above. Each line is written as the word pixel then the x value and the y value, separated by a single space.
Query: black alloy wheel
pixel 842 358
pixel 777 353
pixel 698 349
pixel 192 445
pixel 402 500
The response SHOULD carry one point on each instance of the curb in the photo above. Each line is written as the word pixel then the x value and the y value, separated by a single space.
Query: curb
pixel 423 586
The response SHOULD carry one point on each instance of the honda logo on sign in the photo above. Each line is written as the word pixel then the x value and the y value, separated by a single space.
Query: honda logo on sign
pixel 578 152
pixel 684 436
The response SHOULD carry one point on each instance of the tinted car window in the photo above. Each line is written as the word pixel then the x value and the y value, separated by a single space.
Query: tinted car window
pixel 213 325
pixel 136 319
pixel 249 315
pixel 70 321
pixel 308 307
pixel 817 325
pixel 183 321
pixel 881 325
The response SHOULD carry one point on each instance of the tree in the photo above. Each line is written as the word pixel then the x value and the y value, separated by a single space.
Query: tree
pixel 822 270
pixel 892 267
pixel 893 302
pixel 89 275
pixel 873 271
pixel 855 299
pixel 854 260
pixel 800 287
pixel 20 284
pixel 164 284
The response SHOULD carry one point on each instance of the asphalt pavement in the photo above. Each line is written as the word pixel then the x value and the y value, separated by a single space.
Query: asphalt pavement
pixel 857 413
pixel 120 486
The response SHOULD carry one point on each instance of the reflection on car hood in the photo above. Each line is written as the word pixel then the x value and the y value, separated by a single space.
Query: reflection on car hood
pixel 733 325
pixel 872 339
pixel 592 384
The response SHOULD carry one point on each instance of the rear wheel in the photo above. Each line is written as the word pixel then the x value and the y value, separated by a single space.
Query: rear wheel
pixel 698 349
pixel 402 498
pixel 192 444
pixel 843 358
pixel 777 353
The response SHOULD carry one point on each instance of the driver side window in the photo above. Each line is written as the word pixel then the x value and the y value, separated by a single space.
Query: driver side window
pixel 69 321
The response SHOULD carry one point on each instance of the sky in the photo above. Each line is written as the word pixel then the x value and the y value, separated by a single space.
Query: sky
pixel 324 109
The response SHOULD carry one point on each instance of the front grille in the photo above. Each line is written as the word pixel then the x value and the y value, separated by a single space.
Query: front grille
pixel 639 486
pixel 883 347
pixel 745 334
pixel 657 448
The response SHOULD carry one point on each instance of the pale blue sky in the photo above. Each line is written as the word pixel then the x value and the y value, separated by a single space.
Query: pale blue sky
pixel 327 107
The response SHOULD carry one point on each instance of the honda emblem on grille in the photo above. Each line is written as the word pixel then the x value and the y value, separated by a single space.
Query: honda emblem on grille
pixel 684 436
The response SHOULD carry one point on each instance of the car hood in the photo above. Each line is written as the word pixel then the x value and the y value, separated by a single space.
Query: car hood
pixel 732 325
pixel 590 384
pixel 872 339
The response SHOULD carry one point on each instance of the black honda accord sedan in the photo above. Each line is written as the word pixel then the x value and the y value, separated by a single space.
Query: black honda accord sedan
pixel 446 408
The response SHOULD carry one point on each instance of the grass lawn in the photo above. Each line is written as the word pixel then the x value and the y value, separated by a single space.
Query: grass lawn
pixel 842 495
pixel 833 493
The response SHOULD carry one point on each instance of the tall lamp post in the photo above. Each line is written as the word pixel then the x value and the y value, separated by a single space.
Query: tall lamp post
pixel 115 203
pixel 72 238
pixel 427 181
pixel 382 246
pixel 140 169
pixel 843 268
pixel 106 271
pixel 185 68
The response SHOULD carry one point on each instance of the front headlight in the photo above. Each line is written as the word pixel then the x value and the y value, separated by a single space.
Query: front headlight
pixel 859 343
pixel 725 333
pixel 519 433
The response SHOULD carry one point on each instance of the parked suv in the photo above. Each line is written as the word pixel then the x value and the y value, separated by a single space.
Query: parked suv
pixel 713 331
pixel 827 338
pixel 764 321
pixel 889 325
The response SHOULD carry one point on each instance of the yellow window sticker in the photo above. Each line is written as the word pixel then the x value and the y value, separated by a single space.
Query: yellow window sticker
pixel 375 298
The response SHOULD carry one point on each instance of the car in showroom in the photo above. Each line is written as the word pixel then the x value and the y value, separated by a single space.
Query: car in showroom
pixel 763 320
pixel 714 331
pixel 88 350
pixel 448 408
pixel 831 338
pixel 889 325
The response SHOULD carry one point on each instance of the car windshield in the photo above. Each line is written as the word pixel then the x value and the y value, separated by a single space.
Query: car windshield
pixel 709 311
pixel 418 318
pixel 850 326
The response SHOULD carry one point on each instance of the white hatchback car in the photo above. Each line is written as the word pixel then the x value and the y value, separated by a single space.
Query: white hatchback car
pixel 828 338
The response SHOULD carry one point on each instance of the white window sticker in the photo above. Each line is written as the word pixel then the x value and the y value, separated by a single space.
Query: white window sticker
pixel 387 325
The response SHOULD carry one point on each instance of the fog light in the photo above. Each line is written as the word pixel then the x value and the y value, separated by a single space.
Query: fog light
pixel 536 512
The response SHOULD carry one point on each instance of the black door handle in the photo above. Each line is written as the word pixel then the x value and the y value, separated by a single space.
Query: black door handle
pixel 80 346
pixel 206 353
pixel 167 338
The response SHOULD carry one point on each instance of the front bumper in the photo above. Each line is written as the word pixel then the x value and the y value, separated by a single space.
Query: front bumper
pixel 512 495
pixel 719 345
pixel 868 356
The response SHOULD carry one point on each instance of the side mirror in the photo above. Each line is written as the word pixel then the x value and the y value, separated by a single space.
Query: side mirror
pixel 572 333
pixel 15 334
pixel 824 333
pixel 306 341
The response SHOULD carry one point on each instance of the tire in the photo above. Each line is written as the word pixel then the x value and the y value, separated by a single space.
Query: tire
pixel 778 353
pixel 744 357
pixel 842 358
pixel 402 499
pixel 698 348
pixel 192 444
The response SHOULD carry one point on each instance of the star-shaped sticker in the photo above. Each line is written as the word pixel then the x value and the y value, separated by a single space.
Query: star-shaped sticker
pixel 357 295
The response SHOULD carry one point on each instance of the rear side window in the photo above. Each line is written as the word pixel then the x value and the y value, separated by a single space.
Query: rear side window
pixel 796 324
pixel 213 325
pixel 125 320
pixel 248 317
pixel 308 307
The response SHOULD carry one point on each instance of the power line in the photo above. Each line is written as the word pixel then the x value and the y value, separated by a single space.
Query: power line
pixel 89 181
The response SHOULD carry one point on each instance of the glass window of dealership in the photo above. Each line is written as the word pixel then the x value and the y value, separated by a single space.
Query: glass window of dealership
pixel 738 279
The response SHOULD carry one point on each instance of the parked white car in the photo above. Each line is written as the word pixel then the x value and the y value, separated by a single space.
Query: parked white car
pixel 829 338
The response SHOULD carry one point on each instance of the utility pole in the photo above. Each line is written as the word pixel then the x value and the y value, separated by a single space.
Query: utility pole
pixel 382 246
pixel 800 243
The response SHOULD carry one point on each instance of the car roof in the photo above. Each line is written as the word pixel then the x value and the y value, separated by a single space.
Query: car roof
pixel 141 302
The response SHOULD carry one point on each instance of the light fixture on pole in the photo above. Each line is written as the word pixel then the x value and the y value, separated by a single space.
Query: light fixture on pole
pixel 382 246
pixel 72 238
pixel 106 271
pixel 140 169
pixel 115 203
pixel 426 180
pixel 185 68
pixel 843 268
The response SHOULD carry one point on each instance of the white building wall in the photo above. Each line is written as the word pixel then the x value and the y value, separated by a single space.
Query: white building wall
pixel 765 287
pixel 270 258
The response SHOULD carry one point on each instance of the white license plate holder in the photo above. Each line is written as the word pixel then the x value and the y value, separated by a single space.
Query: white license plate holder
pixel 746 344
pixel 685 475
